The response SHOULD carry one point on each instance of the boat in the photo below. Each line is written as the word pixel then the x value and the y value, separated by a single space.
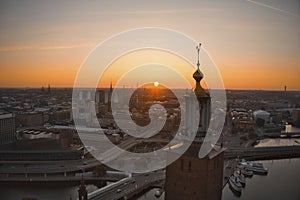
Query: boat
pixel 235 185
pixel 258 170
pixel 246 172
pixel 240 166
pixel 255 164
pixel 240 178
pixel 256 167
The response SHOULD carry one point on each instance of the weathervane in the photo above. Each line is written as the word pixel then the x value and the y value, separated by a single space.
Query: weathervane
pixel 198 50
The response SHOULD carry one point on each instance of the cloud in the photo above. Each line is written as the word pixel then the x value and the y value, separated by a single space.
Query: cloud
pixel 44 47
pixel 272 7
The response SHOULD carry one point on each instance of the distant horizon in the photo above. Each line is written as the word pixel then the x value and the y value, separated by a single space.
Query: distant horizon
pixel 227 89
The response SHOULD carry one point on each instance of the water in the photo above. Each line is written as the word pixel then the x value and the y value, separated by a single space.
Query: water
pixel 41 192
pixel 282 182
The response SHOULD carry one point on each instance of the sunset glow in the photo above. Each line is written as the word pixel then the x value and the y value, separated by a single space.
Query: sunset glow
pixel 252 51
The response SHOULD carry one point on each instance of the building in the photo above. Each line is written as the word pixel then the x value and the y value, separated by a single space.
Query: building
pixel 296 117
pixel 190 177
pixel 31 119
pixel 7 128
pixel 85 107
pixel 261 114
pixel 100 97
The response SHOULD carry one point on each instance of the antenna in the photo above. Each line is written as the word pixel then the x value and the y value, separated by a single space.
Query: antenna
pixel 198 51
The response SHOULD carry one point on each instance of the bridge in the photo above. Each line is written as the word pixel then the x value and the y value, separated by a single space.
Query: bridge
pixel 47 167
pixel 280 135
pixel 75 179
pixel 263 153
pixel 57 179
pixel 129 187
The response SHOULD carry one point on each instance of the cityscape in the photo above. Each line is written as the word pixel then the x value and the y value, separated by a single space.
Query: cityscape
pixel 39 143
pixel 149 113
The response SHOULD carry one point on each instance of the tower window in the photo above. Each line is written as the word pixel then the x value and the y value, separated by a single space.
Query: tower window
pixel 190 166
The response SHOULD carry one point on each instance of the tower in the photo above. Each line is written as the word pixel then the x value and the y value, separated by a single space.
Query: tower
pixel 190 177
pixel 109 100
pixel 49 89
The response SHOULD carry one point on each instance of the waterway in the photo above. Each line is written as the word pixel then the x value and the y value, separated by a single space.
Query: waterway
pixel 282 182
pixel 41 192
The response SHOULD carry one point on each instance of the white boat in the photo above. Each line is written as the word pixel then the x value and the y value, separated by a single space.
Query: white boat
pixel 247 173
pixel 235 185
pixel 257 168
pixel 240 178
pixel 256 164
pixel 252 163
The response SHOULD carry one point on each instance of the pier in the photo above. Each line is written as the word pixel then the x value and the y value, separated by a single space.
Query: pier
pixel 263 153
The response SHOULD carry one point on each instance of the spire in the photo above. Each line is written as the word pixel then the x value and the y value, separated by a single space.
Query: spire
pixel 49 89
pixel 198 50
pixel 110 87
pixel 198 76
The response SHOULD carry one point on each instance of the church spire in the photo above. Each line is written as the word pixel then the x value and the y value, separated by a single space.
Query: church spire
pixel 110 87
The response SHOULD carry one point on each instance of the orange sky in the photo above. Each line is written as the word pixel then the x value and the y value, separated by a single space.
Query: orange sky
pixel 254 46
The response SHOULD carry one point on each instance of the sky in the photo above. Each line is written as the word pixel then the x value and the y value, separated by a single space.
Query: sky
pixel 255 44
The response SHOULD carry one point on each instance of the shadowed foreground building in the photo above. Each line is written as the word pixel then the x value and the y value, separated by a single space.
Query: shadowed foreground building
pixel 7 128
pixel 190 177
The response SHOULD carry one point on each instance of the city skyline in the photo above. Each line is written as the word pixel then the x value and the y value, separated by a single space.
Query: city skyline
pixel 255 44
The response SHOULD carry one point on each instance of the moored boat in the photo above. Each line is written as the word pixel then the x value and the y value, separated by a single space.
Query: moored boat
pixel 240 178
pixel 258 170
pixel 247 173
pixel 256 167
pixel 235 185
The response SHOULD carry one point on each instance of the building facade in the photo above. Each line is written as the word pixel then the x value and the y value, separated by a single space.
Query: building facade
pixel 7 128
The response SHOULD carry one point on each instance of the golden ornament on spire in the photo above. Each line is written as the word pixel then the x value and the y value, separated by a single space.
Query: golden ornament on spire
pixel 198 76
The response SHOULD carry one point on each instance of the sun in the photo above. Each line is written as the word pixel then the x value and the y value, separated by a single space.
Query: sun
pixel 156 83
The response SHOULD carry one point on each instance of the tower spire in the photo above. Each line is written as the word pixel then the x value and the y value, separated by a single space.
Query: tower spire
pixel 110 85
pixel 198 76
pixel 198 51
